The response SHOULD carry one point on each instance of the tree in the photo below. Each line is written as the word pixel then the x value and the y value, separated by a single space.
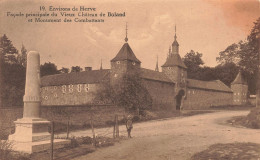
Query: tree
pixel 22 57
pixel 193 62
pixel 9 52
pixel 48 69
pixel 229 55
pixel 245 55
pixel 64 70
pixel 128 93
pixel 226 72
pixel 13 78
pixel 76 69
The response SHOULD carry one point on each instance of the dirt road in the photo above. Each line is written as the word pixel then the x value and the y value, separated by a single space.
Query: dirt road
pixel 176 139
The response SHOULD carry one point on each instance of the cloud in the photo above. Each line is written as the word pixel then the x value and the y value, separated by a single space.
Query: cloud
pixel 239 13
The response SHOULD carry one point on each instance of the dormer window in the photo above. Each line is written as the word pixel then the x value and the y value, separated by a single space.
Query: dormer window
pixel 133 63
pixel 117 62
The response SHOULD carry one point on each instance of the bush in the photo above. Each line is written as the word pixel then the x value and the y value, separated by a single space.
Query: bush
pixel 110 123
pixel 86 125
pixel 74 142
pixel 5 150
pixel 253 118
pixel 136 118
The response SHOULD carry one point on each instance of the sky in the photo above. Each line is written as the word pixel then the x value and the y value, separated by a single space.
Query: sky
pixel 205 26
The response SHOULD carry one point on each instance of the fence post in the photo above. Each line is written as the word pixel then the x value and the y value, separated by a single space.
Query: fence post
pixel 52 138
pixel 68 129
pixel 114 127
pixel 117 127
pixel 93 131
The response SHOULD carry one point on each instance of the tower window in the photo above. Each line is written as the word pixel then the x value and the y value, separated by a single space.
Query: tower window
pixel 86 87
pixel 117 62
pixel 63 89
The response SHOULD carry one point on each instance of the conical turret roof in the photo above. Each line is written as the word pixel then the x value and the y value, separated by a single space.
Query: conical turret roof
pixel 125 53
pixel 174 60
pixel 239 79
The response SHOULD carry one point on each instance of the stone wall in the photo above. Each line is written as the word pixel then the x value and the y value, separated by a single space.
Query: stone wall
pixel 77 94
pixel 240 94
pixel 162 93
pixel 203 99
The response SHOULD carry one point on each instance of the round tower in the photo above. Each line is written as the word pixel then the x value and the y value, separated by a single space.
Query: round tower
pixel 240 89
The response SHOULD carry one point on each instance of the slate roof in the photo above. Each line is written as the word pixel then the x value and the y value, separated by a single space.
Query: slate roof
pixel 239 79
pixel 174 60
pixel 175 43
pixel 216 85
pixel 125 53
pixel 154 75
pixel 85 77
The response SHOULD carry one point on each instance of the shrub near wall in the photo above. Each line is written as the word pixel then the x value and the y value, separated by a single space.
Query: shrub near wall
pixel 80 116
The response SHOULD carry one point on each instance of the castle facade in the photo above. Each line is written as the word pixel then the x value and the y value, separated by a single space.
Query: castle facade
pixel 171 87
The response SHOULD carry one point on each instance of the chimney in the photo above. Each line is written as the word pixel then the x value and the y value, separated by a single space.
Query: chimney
pixel 88 68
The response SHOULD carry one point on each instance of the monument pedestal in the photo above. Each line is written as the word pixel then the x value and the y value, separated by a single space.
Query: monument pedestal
pixel 31 135
pixel 31 132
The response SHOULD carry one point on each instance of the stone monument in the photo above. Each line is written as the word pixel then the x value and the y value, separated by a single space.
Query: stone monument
pixel 31 132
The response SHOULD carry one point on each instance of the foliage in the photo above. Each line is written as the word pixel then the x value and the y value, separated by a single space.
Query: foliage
pixel 48 69
pixel 76 69
pixel 193 62
pixel 226 72
pixel 22 57
pixel 193 59
pixel 9 52
pixel 128 93
pixel 64 70
pixel 13 78
pixel 5 150
pixel 245 54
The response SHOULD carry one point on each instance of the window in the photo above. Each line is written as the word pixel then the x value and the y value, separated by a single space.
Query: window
pixel 117 62
pixel 169 68
pixel 79 87
pixel 70 88
pixel 86 87
pixel 63 88
pixel 133 63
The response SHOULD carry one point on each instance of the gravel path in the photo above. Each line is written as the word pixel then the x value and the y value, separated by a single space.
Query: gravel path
pixel 175 139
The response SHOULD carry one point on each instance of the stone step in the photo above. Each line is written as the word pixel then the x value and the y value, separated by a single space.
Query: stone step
pixel 38 146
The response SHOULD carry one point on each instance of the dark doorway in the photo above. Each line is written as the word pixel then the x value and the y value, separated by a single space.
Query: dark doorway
pixel 179 98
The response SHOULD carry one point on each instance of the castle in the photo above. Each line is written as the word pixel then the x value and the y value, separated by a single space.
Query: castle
pixel 171 87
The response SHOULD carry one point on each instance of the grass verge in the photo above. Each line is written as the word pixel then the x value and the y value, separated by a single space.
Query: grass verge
pixel 236 151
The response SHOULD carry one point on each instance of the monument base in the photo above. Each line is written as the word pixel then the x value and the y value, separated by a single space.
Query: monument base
pixel 31 135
